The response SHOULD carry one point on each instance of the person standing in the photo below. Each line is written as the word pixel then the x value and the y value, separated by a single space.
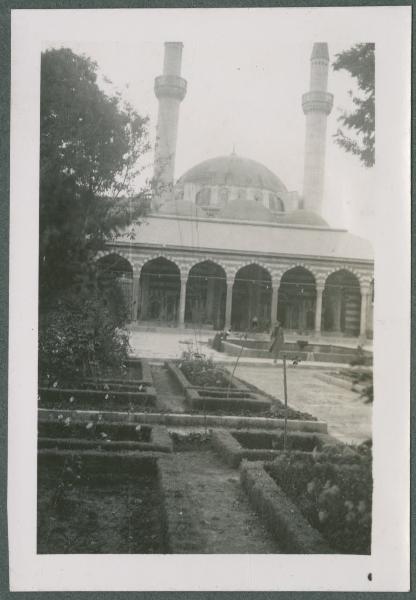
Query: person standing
pixel 277 341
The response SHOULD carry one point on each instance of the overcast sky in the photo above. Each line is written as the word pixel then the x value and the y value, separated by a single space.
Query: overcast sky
pixel 244 91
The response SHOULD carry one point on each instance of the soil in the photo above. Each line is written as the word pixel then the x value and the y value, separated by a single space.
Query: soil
pixel 120 515
pixel 227 522
pixel 94 431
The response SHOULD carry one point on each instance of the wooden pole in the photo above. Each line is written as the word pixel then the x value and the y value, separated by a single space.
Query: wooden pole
pixel 285 394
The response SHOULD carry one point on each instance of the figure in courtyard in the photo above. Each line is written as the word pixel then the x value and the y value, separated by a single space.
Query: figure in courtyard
pixel 254 323
pixel 277 340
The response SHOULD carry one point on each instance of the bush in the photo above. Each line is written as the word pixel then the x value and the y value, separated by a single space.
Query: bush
pixel 333 490
pixel 203 372
pixel 79 337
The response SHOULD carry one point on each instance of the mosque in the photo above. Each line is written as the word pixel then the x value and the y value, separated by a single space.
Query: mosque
pixel 227 243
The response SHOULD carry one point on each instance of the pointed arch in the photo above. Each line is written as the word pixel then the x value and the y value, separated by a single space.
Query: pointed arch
pixel 206 294
pixel 252 296
pixel 341 302
pixel 297 299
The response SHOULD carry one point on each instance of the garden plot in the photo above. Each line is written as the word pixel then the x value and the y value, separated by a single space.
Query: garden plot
pixel 318 503
pixel 58 431
pixel 207 387
pixel 129 388
pixel 234 446
pixel 90 503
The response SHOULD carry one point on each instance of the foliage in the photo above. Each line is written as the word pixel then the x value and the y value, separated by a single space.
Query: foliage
pixel 333 490
pixel 79 336
pixel 359 62
pixel 203 373
pixel 90 145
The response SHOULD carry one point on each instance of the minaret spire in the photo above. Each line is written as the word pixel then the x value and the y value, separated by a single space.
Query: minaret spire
pixel 317 105
pixel 170 90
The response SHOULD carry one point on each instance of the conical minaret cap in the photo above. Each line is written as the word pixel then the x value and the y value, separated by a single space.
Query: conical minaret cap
pixel 320 51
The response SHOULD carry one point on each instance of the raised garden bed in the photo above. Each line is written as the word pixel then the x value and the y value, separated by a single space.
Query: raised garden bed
pixel 92 503
pixel 96 399
pixel 234 446
pixel 215 389
pixel 281 516
pixel 333 492
pixel 67 433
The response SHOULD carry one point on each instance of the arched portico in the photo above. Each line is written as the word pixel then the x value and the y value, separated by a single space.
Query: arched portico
pixel 160 286
pixel 341 304
pixel 113 268
pixel 206 295
pixel 297 298
pixel 252 296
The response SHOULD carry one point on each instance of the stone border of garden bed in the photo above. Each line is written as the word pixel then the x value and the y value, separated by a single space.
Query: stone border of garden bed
pixel 233 453
pixel 196 399
pixel 281 516
pixel 184 420
pixel 160 441
pixel 338 381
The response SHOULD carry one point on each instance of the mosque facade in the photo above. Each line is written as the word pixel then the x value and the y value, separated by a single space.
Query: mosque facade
pixel 227 244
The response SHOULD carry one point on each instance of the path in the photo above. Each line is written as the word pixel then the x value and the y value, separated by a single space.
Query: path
pixel 226 521
pixel 168 390
pixel 347 415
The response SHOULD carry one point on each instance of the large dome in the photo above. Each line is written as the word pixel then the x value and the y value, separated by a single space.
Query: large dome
pixel 181 208
pixel 233 170
pixel 246 210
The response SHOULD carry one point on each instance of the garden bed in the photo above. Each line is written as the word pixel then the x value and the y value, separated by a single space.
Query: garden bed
pixel 280 515
pixel 234 446
pixel 210 388
pixel 68 433
pixel 90 503
pixel 333 491
pixel 96 399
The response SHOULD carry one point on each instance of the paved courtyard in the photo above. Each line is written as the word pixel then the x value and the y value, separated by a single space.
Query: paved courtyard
pixel 348 416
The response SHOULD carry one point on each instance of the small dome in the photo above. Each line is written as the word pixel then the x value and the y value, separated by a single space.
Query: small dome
pixel 246 210
pixel 304 217
pixel 233 170
pixel 181 208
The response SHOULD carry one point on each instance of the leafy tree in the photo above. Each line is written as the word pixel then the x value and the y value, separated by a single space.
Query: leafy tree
pixel 359 61
pixel 90 148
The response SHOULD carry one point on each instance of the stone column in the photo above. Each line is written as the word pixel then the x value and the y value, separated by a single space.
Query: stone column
pixel 210 298
pixel 182 299
pixel 363 316
pixel 318 308
pixel 229 302
pixel 135 297
pixel 275 300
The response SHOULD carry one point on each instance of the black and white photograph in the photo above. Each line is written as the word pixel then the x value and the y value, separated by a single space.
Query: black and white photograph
pixel 210 261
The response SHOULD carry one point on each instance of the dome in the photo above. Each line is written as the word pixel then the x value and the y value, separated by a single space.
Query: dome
pixel 233 170
pixel 304 217
pixel 245 210
pixel 181 208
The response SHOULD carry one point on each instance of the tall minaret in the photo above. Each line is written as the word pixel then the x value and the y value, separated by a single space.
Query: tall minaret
pixel 316 104
pixel 170 90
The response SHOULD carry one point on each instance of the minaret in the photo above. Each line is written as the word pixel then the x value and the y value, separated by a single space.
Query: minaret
pixel 170 90
pixel 316 104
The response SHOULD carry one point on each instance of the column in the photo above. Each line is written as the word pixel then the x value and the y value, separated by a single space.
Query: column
pixel 318 308
pixel 210 298
pixel 182 298
pixel 229 303
pixel 363 315
pixel 275 300
pixel 135 297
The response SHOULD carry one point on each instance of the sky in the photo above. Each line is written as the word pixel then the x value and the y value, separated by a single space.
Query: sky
pixel 244 92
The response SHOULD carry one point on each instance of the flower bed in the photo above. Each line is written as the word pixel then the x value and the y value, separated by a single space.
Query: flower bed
pixel 234 446
pixel 55 397
pixel 90 503
pixel 62 432
pixel 226 394
pixel 333 491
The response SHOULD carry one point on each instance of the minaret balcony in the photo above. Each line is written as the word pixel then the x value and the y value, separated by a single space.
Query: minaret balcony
pixel 170 86
pixel 317 101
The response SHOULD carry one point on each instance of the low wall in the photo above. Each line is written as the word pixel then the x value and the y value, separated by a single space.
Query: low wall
pixel 291 530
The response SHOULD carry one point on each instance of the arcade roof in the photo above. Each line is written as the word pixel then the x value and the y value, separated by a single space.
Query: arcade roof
pixel 254 238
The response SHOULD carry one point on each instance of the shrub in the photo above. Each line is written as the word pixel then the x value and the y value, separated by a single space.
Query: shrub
pixel 333 490
pixel 203 373
pixel 79 337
